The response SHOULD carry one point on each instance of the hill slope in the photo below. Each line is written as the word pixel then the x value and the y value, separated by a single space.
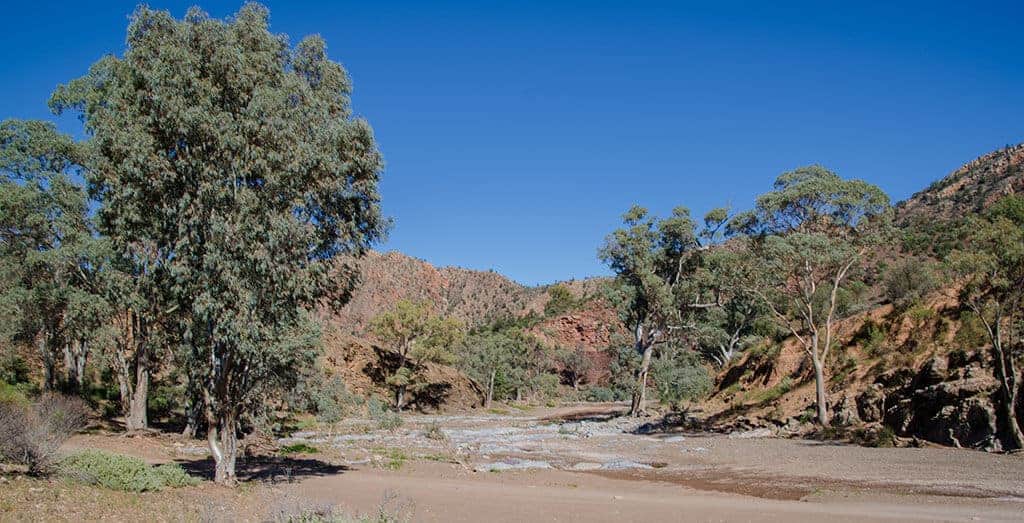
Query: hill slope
pixel 968 189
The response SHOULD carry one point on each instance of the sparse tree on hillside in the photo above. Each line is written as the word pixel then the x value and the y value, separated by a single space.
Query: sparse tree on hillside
pixel 654 290
pixel 991 263
pixel 50 257
pixel 230 165
pixel 418 336
pixel 810 234
pixel 560 300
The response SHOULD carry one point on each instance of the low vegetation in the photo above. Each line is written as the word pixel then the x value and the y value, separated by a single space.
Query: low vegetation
pixel 118 472
pixel 31 432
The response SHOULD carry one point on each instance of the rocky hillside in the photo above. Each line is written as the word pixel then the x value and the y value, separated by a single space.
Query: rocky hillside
pixel 968 189
pixel 924 373
pixel 475 297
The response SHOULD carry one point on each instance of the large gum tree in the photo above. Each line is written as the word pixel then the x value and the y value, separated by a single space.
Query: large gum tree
pixel 232 170
pixel 656 288
pixel 809 236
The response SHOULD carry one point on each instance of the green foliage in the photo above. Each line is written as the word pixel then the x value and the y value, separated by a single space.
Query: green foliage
pixel 624 365
pixel 604 394
pixel 299 448
pixel 810 234
pixel 880 437
pixel 13 394
pixel 50 257
pixel 990 262
pixel 575 364
pixel 872 338
pixel 560 301
pixel 327 398
pixel 418 336
pixel 909 281
pixel 232 174
pixel 392 458
pixel 519 363
pixel 13 369
pixel 971 333
pixel 118 472
pixel 386 419
pixel 680 377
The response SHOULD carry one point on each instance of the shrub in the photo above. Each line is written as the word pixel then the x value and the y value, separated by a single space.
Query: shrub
pixel 118 472
pixel 14 369
pixel 332 401
pixel 13 394
pixel 872 338
pixel 561 300
pixel 880 437
pixel 601 394
pixel 971 333
pixel 679 378
pixel 299 448
pixel 385 418
pixel 909 281
pixel 31 433
pixel 435 432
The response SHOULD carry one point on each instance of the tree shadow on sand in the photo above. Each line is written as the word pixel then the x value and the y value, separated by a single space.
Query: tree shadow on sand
pixel 596 414
pixel 270 469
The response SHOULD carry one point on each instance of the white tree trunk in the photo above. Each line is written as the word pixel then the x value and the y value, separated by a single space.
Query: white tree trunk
pixel 819 388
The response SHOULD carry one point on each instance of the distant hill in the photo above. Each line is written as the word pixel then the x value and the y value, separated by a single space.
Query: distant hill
pixel 968 189
pixel 475 297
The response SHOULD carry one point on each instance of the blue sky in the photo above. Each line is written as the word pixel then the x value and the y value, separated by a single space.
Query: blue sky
pixel 516 134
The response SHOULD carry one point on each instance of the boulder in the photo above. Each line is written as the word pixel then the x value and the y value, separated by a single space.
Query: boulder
pixel 935 370
pixel 971 423
pixel 871 404
pixel 844 412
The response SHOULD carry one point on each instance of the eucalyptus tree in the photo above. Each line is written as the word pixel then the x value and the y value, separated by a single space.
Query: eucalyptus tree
pixel 493 359
pixel 810 233
pixel 232 173
pixel 50 256
pixel 654 289
pixel 724 331
pixel 417 335
pixel 990 263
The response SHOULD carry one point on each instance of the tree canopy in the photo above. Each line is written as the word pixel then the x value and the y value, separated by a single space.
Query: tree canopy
pixel 232 171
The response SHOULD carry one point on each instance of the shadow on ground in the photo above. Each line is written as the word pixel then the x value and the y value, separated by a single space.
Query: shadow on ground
pixel 594 414
pixel 268 469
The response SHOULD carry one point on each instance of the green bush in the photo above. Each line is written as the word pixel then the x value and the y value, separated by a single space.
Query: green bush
pixel 118 472
pixel 971 333
pixel 15 394
pixel 872 338
pixel 14 369
pixel 601 394
pixel 299 448
pixel 386 419
pixel 679 377
pixel 909 281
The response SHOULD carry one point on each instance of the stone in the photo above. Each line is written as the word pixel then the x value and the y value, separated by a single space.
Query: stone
pixel 871 404
pixel 763 432
pixel 932 372
pixel 844 412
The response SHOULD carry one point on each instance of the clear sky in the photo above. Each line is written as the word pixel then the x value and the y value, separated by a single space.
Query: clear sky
pixel 516 133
